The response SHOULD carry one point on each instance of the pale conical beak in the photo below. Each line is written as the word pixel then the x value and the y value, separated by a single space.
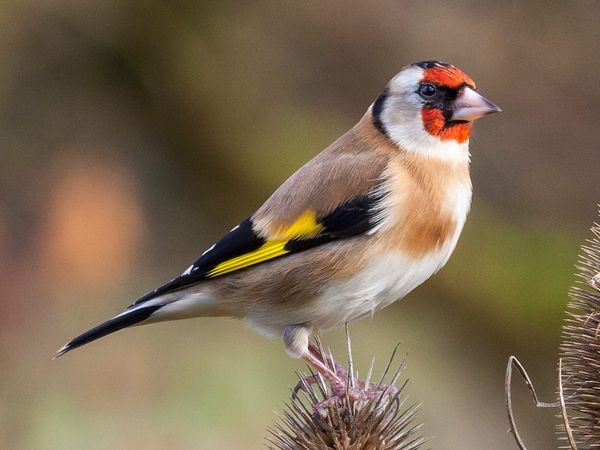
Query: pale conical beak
pixel 469 105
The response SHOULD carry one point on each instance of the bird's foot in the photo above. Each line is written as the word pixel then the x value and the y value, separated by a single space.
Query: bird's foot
pixel 342 392
pixel 327 369
pixel 342 384
pixel 340 387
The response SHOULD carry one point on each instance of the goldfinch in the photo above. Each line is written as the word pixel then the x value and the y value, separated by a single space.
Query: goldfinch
pixel 358 227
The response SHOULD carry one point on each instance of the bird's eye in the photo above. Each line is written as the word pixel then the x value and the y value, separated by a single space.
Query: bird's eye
pixel 427 90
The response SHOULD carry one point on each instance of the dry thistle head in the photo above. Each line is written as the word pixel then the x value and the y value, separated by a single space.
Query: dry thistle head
pixel 321 421
pixel 580 351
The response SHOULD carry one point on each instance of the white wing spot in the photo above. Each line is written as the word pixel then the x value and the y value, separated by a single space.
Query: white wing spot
pixel 188 270
pixel 208 249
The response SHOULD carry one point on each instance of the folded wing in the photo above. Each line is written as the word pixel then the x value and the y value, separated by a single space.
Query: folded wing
pixel 243 247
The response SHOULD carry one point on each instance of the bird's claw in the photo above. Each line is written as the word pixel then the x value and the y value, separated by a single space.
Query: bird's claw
pixel 303 384
pixel 340 389
pixel 354 394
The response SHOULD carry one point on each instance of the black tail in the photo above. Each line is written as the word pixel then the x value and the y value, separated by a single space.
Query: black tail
pixel 110 326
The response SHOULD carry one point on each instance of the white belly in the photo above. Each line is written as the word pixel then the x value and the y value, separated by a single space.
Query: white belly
pixel 382 282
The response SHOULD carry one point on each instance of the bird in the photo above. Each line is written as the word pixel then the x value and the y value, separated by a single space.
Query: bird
pixel 359 226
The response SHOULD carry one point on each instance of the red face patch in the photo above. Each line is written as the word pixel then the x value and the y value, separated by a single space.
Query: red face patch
pixel 435 124
pixel 448 76
pixel 433 119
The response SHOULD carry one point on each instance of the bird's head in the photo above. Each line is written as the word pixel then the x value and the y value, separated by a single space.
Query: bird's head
pixel 429 108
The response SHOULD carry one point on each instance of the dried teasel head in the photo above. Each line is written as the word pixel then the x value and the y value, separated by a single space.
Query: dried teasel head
pixel 580 352
pixel 380 423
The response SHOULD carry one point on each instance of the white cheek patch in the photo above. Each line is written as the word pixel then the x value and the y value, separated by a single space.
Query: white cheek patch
pixel 401 117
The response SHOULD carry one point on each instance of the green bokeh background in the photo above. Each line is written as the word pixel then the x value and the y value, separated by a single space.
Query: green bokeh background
pixel 134 133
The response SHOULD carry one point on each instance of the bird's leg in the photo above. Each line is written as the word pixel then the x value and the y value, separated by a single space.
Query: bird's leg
pixel 297 343
pixel 328 360
pixel 327 367
pixel 339 380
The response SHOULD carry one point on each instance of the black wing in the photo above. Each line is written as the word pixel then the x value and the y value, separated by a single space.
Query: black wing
pixel 242 247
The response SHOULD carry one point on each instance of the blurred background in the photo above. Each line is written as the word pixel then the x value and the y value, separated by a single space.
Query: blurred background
pixel 134 133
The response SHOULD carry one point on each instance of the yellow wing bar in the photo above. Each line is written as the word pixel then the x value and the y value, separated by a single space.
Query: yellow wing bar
pixel 268 250
pixel 304 226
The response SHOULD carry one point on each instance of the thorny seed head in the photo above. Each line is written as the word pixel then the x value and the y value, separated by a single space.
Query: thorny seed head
pixel 382 423
pixel 580 350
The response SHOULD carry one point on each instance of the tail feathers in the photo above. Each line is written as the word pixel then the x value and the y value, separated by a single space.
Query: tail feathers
pixel 123 320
